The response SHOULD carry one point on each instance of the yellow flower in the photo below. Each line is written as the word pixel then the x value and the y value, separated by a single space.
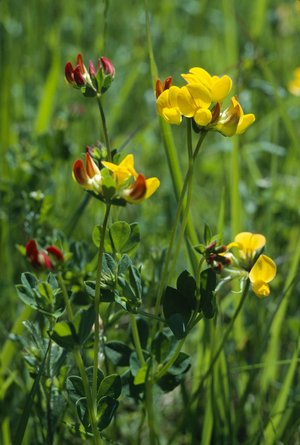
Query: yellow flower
pixel 233 120
pixel 131 186
pixel 261 270
pixel 167 105
pixel 201 91
pixel 122 172
pixel 294 85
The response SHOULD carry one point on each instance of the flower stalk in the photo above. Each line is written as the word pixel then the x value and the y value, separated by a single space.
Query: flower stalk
pixel 80 365
pixel 97 301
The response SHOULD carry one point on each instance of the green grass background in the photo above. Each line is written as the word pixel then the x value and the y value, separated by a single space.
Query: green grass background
pixel 247 183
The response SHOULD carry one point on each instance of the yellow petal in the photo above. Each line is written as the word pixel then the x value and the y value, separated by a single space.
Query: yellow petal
pixel 250 242
pixel 261 289
pixel 186 103
pixel 245 122
pixel 152 185
pixel 200 94
pixel 263 270
pixel 203 116
pixel 172 115
pixel 202 75
pixel 173 93
pixel 221 88
pixel 162 101
pixel 128 164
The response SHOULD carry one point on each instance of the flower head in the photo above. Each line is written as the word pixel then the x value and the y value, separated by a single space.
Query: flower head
pixel 117 183
pixel 90 81
pixel 131 186
pixel 201 91
pixel 45 258
pixel 233 120
pixel 201 99
pixel 261 268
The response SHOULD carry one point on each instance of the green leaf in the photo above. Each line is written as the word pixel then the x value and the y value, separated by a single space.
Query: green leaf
pixel 134 364
pixel 140 377
pixel 207 234
pixel 123 264
pixel 118 352
pixel 86 323
pixel 96 233
pixel 163 345
pixel 64 335
pixel 100 376
pixel 107 295
pixel 110 386
pixel 75 387
pixel 134 239
pixel 22 424
pixel 208 284
pixel 119 234
pixel 26 295
pixel 46 292
pixel 131 286
pixel 177 308
pixel 186 283
pixel 176 373
pixel 29 280
pixel 178 325
pixel 181 365
pixel 105 411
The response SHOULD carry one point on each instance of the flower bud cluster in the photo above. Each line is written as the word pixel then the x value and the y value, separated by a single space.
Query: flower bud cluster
pixel 214 255
pixel 92 81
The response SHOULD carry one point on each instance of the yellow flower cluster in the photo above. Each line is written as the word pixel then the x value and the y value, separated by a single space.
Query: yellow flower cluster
pixel 201 100
pixel 114 182
pixel 261 269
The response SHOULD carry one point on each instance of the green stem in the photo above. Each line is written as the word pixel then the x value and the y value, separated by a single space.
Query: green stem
pixel 80 366
pixel 91 409
pixel 97 302
pixel 187 179
pixel 213 361
pixel 148 383
pixel 136 339
pixel 171 361
pixel 224 339
pixel 186 212
pixel 104 127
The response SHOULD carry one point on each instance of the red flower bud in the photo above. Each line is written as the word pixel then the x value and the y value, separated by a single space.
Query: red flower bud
pixel 107 66
pixel 40 258
pixel 159 87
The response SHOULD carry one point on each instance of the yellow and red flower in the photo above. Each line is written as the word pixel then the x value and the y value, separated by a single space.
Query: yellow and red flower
pixel 131 186
pixel 126 183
